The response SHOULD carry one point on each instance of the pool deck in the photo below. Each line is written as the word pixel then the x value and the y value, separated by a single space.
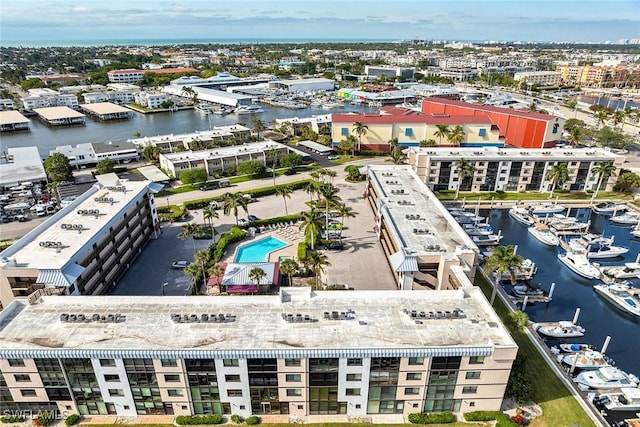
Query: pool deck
pixel 288 234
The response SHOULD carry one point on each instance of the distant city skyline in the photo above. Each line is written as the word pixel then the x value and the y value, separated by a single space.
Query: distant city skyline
pixel 515 20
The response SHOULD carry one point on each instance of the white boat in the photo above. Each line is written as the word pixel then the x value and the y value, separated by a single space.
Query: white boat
pixel 625 297
pixel 627 218
pixel 22 206
pixel 573 348
pixel 636 231
pixel 605 378
pixel 566 225
pixel 544 235
pixel 585 360
pixel 249 109
pixel 561 329
pixel 522 215
pixel 627 271
pixel 547 208
pixel 627 400
pixel 597 247
pixel 579 264
pixel 609 208
pixel 526 271
pixel 202 109
pixel 477 229
pixel 528 290
pixel 489 240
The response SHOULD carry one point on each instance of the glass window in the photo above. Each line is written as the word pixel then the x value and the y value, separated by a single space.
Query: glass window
pixel 412 390
pixel 15 362
pixel 482 132
pixel 28 392
pixel 414 376
pixel 230 362
pixel 416 361
pixel 354 377
pixel 293 378
pixel 353 392
pixel 344 131
pixel 168 362
pixel 172 378
pixel 476 360
pixel 292 362
pixel 472 375
pixel 234 393
pixel 107 362
pixel 354 362
pixel 112 378
pixel 116 392
pixel 408 132
pixel 472 389
pixel 174 392
pixel 232 378
pixel 22 378
pixel 294 392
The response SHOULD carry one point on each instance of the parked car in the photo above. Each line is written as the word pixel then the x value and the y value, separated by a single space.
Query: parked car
pixel 203 236
pixel 209 186
pixel 21 218
pixel 333 157
pixel 214 204
pixel 332 234
pixel 253 218
pixel 290 171
pixel 333 246
pixel 242 221
pixel 180 264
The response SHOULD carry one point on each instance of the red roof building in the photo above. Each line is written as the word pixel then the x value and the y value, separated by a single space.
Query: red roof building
pixel 518 128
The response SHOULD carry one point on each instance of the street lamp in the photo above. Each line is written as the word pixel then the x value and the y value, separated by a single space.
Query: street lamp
pixel 164 285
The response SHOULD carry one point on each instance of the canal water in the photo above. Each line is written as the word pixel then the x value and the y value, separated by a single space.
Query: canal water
pixel 597 316
pixel 47 138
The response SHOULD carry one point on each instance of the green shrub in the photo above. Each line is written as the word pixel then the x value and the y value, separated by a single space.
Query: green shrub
pixel 302 250
pixel 236 419
pixel 252 420
pixel 72 419
pixel 170 213
pixel 192 176
pixel 481 415
pixel 432 418
pixel 8 419
pixel 45 419
pixel 186 420
pixel 503 421
pixel 216 251
pixel 276 220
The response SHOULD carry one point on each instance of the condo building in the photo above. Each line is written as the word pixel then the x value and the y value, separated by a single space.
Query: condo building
pixel 301 353
pixel 219 134
pixel 425 246
pixel 85 247
pixel 503 169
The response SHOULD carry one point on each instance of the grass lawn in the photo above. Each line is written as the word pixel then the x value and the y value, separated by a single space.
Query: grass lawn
pixel 559 407
pixel 514 196
pixel 346 158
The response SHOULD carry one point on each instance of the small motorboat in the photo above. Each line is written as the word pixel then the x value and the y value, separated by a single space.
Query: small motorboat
pixel 547 209
pixel 606 377
pixel 627 218
pixel 627 271
pixel 478 229
pixel 528 290
pixel 561 329
pixel 573 348
pixel 522 215
pixel 526 271
pixel 487 240
pixel 609 208
pixel 578 262
pixel 627 400
pixel 623 296
pixel 585 360
pixel 567 225
pixel 202 108
pixel 597 246
pixel 636 231
pixel 543 234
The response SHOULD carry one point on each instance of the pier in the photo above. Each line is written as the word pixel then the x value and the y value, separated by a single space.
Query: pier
pixel 13 120
pixel 106 111
pixel 60 116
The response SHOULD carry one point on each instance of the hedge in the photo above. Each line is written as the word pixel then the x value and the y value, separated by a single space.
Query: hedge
pixel 432 418
pixel 275 220
pixel 234 235
pixel 236 419
pixel 481 415
pixel 72 419
pixel 10 419
pixel 170 213
pixel 252 420
pixel 186 420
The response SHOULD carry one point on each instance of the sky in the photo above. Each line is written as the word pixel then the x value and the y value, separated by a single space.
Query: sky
pixel 512 20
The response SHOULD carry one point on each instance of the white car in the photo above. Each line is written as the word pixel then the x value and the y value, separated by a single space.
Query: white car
pixel 334 157
pixel 180 264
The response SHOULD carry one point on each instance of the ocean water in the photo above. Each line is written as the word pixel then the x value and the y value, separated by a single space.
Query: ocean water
pixel 164 42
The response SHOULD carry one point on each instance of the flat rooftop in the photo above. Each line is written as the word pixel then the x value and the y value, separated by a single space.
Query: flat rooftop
pixel 216 132
pixel 26 166
pixel 412 206
pixel 510 154
pixel 12 117
pixel 70 242
pixel 105 108
pixel 58 113
pixel 253 147
pixel 373 320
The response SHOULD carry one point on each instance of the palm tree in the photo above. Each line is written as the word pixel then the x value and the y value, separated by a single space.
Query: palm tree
pixel 464 169
pixel 257 125
pixel 533 107
pixel 628 113
pixel 348 144
pixel 601 117
pixel 603 169
pixel 618 117
pixel 216 271
pixel 285 193
pixel 194 271
pixel 573 105
pixel 257 274
pixel 456 135
pixel 209 213
pixel 346 211
pixel 273 155
pixel 202 258
pixel 231 202
pixel 575 133
pixel 289 267
pixel 502 259
pixel 190 230
pixel 428 143
pixel 317 261
pixel 312 224
pixel 442 130
pixel 393 143
pixel 331 174
pixel 330 195
pixel 557 174
pixel 311 188
pixel 360 129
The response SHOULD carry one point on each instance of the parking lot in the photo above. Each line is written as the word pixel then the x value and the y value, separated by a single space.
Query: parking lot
pixel 361 265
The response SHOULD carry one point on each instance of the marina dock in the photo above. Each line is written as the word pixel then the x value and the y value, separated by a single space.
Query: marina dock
pixel 60 116
pixel 13 120
pixel 106 111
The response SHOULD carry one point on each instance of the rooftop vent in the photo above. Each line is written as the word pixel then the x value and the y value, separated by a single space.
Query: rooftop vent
pixel 88 212
pixel 104 200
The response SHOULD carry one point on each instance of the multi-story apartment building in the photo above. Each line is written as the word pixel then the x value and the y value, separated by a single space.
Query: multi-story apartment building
pixel 218 159
pixel 518 128
pixel 410 128
pixel 115 96
pixel 540 78
pixel 125 76
pixel 425 246
pixel 500 169
pixel 150 100
pixel 600 75
pixel 6 104
pixel 85 247
pixel 393 72
pixel 47 100
pixel 316 353
pixel 220 134
pixel 91 153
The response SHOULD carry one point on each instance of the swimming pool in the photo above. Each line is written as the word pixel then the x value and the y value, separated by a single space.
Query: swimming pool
pixel 258 251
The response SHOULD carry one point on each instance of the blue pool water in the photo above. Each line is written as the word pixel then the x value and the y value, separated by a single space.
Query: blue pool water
pixel 258 251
